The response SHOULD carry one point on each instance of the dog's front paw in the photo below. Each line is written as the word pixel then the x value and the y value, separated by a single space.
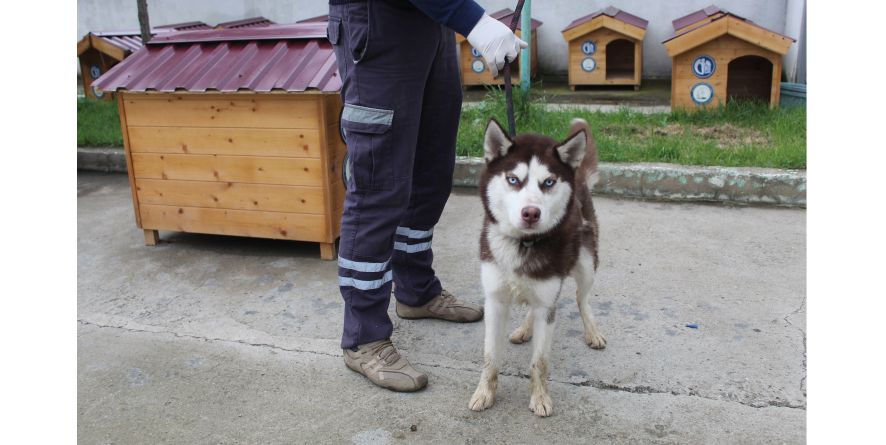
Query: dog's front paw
pixel 520 335
pixel 483 398
pixel 595 340
pixel 541 405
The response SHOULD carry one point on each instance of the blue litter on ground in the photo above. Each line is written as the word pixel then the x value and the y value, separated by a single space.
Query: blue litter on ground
pixel 692 325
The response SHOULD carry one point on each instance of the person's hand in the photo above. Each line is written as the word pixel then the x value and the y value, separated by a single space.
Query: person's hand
pixel 495 42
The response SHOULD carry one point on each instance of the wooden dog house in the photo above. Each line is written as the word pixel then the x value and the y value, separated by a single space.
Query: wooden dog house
pixel 473 67
pixel 99 51
pixel 718 56
pixel 234 132
pixel 606 48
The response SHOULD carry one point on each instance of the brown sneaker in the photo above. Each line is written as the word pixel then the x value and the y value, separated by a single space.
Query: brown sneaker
pixel 445 307
pixel 380 362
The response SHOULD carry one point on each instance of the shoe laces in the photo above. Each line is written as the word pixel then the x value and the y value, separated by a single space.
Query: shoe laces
pixel 446 297
pixel 386 352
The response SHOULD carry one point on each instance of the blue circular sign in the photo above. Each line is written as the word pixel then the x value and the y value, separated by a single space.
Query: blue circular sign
pixel 477 66
pixel 704 67
pixel 588 64
pixel 589 47
pixel 95 72
pixel 475 53
pixel 702 93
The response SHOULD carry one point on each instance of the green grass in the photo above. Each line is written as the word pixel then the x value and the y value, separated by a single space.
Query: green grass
pixel 743 134
pixel 98 124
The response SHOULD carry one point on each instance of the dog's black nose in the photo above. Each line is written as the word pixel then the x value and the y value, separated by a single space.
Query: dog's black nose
pixel 531 214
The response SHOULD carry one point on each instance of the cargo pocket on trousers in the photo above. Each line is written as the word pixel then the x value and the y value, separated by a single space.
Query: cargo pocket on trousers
pixel 368 135
pixel 333 30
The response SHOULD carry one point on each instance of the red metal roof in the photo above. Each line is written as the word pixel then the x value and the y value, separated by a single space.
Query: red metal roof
pixel 246 23
pixel 131 41
pixel 505 16
pixel 274 58
pixel 697 16
pixel 700 15
pixel 610 11
pixel 275 32
pixel 319 18
pixel 127 42
pixel 186 26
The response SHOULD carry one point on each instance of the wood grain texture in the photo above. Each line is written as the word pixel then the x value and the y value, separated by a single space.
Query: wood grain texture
pixel 232 195
pixel 755 35
pixel 249 169
pixel 127 153
pixel 275 225
pixel 700 36
pixel 300 143
pixel 218 110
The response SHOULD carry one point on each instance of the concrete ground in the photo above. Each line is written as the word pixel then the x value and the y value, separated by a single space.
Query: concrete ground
pixel 212 339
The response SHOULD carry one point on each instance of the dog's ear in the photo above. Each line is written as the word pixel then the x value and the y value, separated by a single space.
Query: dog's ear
pixel 572 150
pixel 496 142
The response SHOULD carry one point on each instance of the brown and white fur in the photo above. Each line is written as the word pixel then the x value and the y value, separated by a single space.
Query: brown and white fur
pixel 539 228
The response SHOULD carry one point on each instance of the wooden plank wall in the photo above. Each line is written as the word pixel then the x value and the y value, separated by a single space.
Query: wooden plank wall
pixel 723 49
pixel 602 37
pixel 235 164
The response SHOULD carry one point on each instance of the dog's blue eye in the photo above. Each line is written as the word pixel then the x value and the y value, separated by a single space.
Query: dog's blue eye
pixel 549 182
pixel 513 180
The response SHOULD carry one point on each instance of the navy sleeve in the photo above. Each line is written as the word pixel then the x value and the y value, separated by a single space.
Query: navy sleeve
pixel 460 15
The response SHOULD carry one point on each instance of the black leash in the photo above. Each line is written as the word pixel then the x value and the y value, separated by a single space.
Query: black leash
pixel 509 95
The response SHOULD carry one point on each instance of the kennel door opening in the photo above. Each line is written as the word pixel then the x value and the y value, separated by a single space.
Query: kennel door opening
pixel 749 78
pixel 620 59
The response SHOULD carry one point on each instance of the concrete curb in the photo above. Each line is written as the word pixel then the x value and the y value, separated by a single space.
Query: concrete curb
pixel 665 182
pixel 105 159
pixel 671 182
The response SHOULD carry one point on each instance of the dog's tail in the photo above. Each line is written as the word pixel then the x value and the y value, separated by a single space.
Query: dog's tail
pixel 586 176
pixel 586 172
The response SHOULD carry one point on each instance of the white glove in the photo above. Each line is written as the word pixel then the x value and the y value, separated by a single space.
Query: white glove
pixel 495 41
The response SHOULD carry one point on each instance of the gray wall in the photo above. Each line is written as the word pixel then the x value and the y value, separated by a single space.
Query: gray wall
pixel 102 15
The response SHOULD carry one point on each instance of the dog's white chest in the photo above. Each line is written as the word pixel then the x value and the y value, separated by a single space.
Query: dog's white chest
pixel 501 276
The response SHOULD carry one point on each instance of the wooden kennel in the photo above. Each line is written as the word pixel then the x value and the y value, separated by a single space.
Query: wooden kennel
pixel 98 52
pixel 473 67
pixel 234 132
pixel 718 57
pixel 606 48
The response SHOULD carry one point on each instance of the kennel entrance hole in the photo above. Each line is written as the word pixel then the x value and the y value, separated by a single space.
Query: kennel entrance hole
pixel 749 78
pixel 620 59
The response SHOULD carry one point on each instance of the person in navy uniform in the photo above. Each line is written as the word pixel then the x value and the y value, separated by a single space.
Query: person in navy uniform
pixel 402 100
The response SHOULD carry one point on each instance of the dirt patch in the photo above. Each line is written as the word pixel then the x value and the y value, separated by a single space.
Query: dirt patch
pixel 731 136
pixel 668 130
pixel 724 136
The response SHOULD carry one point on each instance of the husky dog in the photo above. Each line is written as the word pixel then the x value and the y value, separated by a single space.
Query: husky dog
pixel 539 228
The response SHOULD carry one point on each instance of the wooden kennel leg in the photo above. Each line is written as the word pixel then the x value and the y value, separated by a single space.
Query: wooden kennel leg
pixel 152 237
pixel 327 251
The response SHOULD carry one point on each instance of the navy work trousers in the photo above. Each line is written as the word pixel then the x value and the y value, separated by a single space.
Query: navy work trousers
pixel 402 100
